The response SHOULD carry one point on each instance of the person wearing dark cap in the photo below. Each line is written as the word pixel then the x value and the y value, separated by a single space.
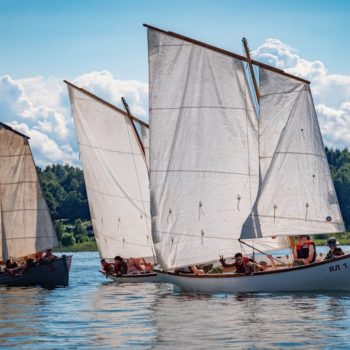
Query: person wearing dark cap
pixel 334 251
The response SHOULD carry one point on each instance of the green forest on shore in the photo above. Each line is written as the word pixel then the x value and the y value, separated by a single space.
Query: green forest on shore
pixel 65 192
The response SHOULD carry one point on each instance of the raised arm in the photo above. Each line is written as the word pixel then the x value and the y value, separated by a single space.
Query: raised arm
pixel 224 264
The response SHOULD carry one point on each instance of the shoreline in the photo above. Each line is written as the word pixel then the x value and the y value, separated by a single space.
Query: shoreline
pixel 90 246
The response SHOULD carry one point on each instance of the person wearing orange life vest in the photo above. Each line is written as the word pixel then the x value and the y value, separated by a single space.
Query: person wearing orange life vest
pixel 304 252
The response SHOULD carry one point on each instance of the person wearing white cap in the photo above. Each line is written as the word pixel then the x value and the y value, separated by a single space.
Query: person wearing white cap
pixel 334 251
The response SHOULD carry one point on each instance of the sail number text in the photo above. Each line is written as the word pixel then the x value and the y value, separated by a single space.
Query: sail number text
pixel 338 267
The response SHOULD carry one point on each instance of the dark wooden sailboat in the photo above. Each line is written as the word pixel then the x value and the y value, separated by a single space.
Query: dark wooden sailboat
pixel 55 273
pixel 26 226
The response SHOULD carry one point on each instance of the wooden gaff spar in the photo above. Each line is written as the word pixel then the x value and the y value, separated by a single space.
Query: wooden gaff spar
pixel 220 173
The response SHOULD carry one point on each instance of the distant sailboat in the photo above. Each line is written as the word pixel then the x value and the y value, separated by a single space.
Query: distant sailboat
pixel 220 175
pixel 26 226
pixel 116 178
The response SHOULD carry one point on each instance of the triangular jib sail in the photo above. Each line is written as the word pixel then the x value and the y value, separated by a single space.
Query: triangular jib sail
pixel 297 195
pixel 116 176
pixel 26 224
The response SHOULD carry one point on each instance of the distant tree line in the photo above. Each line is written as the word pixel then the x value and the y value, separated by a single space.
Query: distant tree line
pixel 339 162
pixel 64 189
pixel 65 192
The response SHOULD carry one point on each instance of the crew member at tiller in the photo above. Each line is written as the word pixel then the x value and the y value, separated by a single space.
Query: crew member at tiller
pixel 304 252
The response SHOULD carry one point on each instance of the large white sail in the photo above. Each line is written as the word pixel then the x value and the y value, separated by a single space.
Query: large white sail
pixel 26 224
pixel 116 177
pixel 203 151
pixel 297 195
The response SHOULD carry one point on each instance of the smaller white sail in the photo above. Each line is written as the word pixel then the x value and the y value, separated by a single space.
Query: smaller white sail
pixel 297 194
pixel 115 174
pixel 26 224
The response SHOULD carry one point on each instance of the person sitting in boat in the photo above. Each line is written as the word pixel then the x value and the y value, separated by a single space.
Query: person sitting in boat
pixel 242 264
pixel 12 267
pixel 305 251
pixel 30 263
pixel 49 256
pixel 190 269
pixel 107 266
pixel 139 266
pixel 39 256
pixel 120 266
pixel 334 251
pixel 263 266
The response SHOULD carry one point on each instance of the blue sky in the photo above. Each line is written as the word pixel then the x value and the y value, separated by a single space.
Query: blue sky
pixel 68 38
pixel 101 45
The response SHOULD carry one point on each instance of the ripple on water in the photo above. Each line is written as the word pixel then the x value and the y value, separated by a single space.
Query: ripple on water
pixel 93 313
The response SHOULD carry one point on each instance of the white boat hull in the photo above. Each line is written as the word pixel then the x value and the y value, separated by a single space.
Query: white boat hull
pixel 326 276
pixel 142 278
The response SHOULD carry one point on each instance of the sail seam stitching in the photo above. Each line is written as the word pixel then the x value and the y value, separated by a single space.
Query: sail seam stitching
pixel 117 196
pixel 202 171
pixel 202 107
pixel 109 150
pixel 294 218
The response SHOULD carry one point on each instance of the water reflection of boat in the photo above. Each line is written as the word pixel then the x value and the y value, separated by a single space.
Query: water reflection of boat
pixel 227 172
pixel 114 162
pixel 123 317
pixel 26 227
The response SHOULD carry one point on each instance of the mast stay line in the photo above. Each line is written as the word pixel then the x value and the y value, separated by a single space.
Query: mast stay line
pixel 225 52
pixel 260 251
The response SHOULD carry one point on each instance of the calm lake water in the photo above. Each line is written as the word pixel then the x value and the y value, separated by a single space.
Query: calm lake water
pixel 93 313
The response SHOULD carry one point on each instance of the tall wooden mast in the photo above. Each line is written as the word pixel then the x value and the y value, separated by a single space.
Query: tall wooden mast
pixel 133 125
pixel 249 60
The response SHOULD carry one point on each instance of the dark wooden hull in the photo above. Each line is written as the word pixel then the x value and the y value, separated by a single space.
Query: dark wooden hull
pixel 142 278
pixel 55 273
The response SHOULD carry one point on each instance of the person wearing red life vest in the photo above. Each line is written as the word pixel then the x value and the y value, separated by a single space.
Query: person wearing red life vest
pixel 242 264
pixel 304 251
pixel 107 266
pixel 120 266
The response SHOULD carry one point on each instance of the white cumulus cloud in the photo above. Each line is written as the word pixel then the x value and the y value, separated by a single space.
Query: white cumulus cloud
pixel 331 91
pixel 104 85
pixel 39 107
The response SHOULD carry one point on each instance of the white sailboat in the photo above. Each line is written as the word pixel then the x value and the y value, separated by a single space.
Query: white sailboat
pixel 116 179
pixel 26 227
pixel 220 174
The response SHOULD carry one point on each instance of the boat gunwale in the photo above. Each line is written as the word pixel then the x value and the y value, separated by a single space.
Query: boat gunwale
pixel 259 273
pixel 151 274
